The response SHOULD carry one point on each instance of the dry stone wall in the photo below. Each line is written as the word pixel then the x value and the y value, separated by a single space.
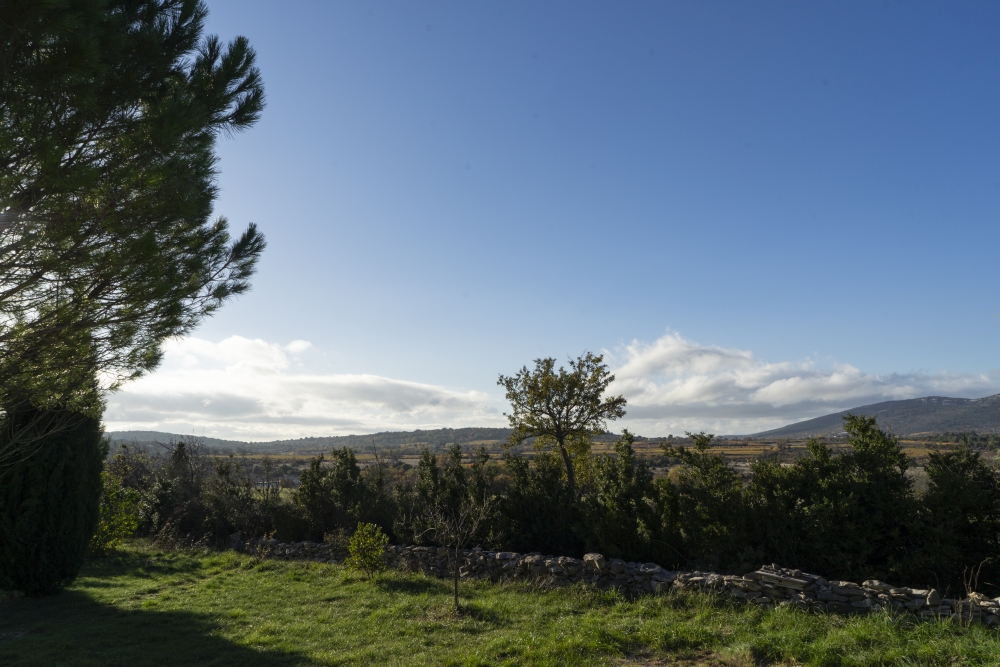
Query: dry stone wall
pixel 768 587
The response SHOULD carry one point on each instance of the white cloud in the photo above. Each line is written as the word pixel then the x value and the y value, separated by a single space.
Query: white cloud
pixel 297 346
pixel 254 390
pixel 243 389
pixel 675 384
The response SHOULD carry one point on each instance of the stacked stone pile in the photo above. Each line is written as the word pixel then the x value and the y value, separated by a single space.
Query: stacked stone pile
pixel 768 587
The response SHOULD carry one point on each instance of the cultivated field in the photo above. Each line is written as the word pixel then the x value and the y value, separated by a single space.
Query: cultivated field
pixel 739 453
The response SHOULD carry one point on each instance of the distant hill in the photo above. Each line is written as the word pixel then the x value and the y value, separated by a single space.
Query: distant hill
pixel 931 414
pixel 435 439
pixel 389 439
pixel 150 437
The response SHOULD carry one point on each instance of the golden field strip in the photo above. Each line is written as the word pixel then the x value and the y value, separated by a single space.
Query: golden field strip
pixel 739 452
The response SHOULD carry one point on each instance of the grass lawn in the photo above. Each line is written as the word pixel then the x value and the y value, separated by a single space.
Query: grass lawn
pixel 147 607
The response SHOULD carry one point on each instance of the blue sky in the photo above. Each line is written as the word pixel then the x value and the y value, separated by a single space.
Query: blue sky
pixel 761 211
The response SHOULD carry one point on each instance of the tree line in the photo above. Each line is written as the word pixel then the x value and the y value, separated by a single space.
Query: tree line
pixel 849 514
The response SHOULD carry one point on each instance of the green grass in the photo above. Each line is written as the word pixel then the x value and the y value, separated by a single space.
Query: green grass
pixel 146 607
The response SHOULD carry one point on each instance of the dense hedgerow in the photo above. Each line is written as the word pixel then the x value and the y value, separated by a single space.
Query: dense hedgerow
pixel 849 515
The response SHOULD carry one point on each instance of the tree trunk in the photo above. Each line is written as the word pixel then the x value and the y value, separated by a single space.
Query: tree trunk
pixel 569 469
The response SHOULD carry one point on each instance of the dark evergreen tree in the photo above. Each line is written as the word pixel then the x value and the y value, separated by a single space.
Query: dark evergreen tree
pixel 332 497
pixel 540 511
pixel 959 530
pixel 850 515
pixel 49 502
pixel 709 503
pixel 623 518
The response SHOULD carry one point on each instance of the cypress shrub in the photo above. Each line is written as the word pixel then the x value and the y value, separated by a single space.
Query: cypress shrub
pixel 539 511
pixel 49 500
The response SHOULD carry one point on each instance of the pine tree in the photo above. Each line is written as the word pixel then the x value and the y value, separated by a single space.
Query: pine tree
pixel 109 116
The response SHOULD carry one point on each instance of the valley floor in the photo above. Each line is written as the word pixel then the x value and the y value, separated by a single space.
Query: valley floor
pixel 147 607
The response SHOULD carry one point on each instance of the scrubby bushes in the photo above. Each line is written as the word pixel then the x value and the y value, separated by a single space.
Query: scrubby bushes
pixel 336 497
pixel 851 516
pixel 959 522
pixel 626 513
pixel 539 511
pixel 708 508
pixel 439 490
pixel 331 497
pixel 119 514
pixel 185 497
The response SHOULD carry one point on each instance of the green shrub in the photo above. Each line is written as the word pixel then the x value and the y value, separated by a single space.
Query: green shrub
pixel 288 522
pixel 624 514
pixel 49 500
pixel 539 511
pixel 444 488
pixel 959 530
pixel 851 516
pixel 710 506
pixel 331 497
pixel 367 549
pixel 119 514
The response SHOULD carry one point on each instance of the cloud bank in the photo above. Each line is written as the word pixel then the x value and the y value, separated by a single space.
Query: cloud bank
pixel 674 384
pixel 254 390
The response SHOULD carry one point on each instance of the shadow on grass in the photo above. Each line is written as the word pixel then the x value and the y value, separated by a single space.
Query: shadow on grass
pixel 475 612
pixel 137 563
pixel 413 586
pixel 72 629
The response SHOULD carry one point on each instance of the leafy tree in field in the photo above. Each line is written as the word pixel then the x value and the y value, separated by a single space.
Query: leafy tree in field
pixel 560 407
pixel 109 114
pixel 367 549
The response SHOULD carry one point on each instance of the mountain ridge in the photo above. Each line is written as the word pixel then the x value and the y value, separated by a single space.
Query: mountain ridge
pixel 929 414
